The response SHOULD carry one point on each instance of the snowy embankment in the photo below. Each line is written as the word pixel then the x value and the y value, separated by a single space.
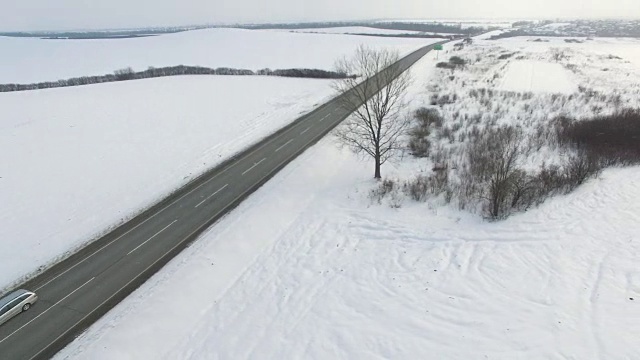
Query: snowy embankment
pixel 308 267
pixel 77 161
pixel 28 60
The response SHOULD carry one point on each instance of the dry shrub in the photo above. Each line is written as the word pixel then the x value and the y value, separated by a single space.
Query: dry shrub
pixel 492 170
pixel 426 119
pixel 492 175
pixel 611 140
pixel 384 188
pixel 417 188
pixel 429 117
pixel 580 168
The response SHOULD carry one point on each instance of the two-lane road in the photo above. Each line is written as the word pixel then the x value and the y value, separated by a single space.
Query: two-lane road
pixel 76 292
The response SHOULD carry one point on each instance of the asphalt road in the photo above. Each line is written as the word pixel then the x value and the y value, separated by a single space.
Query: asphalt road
pixel 78 291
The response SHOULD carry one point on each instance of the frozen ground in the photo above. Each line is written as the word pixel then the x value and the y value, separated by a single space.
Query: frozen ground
pixel 27 60
pixel 309 267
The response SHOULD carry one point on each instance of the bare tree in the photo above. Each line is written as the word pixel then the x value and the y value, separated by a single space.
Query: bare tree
pixel 376 97
pixel 493 172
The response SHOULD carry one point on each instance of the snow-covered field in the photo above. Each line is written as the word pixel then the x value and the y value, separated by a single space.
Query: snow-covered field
pixel 626 48
pixel 27 60
pixel 77 161
pixel 543 66
pixel 310 267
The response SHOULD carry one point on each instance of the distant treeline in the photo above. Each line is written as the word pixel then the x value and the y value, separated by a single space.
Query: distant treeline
pixel 588 34
pixel 632 33
pixel 86 35
pixel 406 26
pixel 432 27
pixel 407 35
pixel 129 74
pixel 134 33
pixel 523 32
pixel 298 26
pixel 104 34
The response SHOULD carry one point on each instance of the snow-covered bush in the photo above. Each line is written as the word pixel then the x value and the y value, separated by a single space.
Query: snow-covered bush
pixel 425 121
pixel 384 188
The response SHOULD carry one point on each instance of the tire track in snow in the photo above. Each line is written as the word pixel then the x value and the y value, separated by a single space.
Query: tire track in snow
pixel 303 299
pixel 593 306
pixel 235 305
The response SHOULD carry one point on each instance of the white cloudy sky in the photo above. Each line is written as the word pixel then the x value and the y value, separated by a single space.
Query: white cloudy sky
pixel 86 14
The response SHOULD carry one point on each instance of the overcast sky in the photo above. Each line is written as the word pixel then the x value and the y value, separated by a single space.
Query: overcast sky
pixel 94 14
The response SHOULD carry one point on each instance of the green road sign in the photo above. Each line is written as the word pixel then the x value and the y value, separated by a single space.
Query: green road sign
pixel 437 47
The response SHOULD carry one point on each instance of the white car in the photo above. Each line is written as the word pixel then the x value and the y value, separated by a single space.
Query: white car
pixel 15 303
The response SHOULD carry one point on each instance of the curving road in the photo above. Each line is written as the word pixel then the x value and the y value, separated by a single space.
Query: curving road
pixel 76 292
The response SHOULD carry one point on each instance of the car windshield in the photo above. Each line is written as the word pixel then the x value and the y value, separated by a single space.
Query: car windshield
pixel 12 296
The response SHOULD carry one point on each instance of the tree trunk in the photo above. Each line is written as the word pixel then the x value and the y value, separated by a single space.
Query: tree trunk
pixel 377 174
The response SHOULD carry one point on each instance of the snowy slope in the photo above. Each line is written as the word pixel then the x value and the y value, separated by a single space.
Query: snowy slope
pixel 308 267
pixel 628 49
pixel 28 60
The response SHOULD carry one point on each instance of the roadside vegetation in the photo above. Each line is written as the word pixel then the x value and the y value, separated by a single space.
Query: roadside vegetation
pixel 454 62
pixel 490 175
pixel 496 153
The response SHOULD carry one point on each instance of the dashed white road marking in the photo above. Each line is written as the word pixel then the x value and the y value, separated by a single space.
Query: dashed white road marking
pixel 156 234
pixel 254 165
pixel 210 196
pixel 285 144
